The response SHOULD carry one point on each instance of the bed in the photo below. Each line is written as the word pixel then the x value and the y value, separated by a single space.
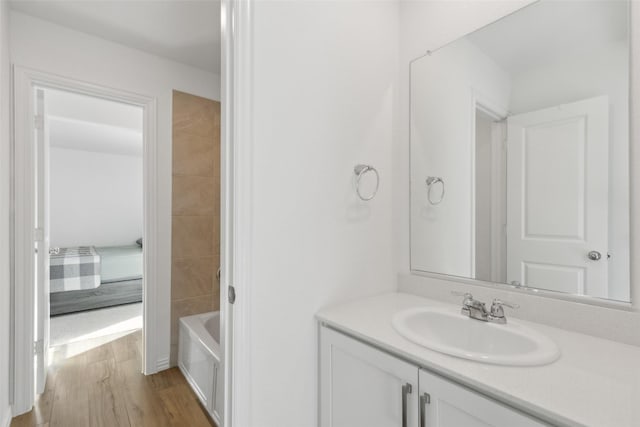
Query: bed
pixel 87 278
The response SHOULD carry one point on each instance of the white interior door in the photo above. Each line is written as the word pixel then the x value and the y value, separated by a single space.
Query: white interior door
pixel 557 197
pixel 41 333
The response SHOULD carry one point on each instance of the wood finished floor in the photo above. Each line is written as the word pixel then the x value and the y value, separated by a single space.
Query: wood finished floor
pixel 104 387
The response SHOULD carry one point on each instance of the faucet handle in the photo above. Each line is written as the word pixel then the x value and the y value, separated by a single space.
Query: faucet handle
pixel 467 296
pixel 461 294
pixel 506 303
pixel 497 304
pixel 466 302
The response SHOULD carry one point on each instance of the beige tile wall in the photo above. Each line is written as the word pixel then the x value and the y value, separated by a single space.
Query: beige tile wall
pixel 195 252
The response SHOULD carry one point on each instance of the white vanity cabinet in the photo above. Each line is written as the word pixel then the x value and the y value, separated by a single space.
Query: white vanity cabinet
pixel 361 386
pixel 445 403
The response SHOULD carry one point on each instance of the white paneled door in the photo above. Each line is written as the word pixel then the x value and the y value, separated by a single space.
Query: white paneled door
pixel 557 197
pixel 41 242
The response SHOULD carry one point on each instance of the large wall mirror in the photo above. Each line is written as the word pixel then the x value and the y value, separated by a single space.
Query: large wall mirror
pixel 520 151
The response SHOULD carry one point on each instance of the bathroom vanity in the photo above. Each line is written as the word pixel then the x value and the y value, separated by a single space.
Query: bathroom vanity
pixel 370 375
pixel 519 185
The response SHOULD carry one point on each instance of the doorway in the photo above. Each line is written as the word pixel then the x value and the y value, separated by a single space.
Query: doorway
pixel 89 210
pixel 83 157
pixel 489 189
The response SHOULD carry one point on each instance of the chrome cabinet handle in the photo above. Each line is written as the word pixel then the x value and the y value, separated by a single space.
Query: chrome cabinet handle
pixel 594 255
pixel 406 390
pixel 425 399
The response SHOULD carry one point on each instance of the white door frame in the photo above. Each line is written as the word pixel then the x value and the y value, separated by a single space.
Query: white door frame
pixel 498 200
pixel 480 102
pixel 237 210
pixel 23 187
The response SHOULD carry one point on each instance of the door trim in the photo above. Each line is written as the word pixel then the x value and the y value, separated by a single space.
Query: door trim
pixel 22 204
pixel 480 103
pixel 237 207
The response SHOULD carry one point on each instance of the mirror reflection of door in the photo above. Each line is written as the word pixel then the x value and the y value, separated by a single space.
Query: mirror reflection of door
pixel 528 127
pixel 557 210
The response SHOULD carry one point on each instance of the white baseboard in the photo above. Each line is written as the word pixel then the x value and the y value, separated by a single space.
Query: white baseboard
pixel 6 417
pixel 162 364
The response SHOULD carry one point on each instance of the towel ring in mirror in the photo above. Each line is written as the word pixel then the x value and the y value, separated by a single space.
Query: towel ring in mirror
pixel 361 170
pixel 431 182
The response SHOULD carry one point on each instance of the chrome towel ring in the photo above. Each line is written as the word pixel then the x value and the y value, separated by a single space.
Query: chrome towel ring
pixel 360 170
pixel 431 182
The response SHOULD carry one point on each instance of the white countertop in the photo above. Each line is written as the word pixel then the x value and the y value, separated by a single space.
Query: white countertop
pixel 595 382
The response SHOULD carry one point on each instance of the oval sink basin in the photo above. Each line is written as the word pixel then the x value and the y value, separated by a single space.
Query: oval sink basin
pixel 447 331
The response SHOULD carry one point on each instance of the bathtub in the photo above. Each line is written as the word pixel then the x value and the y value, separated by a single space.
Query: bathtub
pixel 199 359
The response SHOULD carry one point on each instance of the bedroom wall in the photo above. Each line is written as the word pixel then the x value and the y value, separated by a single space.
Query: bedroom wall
pixel 44 46
pixel 5 179
pixel 96 198
pixel 195 255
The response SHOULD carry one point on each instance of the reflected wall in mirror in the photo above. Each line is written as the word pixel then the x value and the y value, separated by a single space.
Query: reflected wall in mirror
pixel 519 151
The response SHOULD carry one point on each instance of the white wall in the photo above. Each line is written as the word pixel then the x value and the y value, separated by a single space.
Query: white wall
pixel 96 198
pixel 51 48
pixel 421 30
pixel 444 234
pixel 5 179
pixel 324 100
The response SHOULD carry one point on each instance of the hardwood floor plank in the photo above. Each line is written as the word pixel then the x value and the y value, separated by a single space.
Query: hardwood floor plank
pixel 44 403
pixel 106 402
pixel 182 408
pixel 165 379
pixel 126 348
pixel 24 420
pixel 71 402
pixel 104 387
pixel 103 352
pixel 143 404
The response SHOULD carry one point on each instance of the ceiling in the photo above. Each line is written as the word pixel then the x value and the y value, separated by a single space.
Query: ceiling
pixel 186 31
pixel 549 31
pixel 86 123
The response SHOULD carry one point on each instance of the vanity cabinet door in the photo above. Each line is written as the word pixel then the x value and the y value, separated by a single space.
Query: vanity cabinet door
pixel 447 404
pixel 361 386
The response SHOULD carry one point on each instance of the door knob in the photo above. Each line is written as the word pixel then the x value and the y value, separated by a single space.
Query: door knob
pixel 594 255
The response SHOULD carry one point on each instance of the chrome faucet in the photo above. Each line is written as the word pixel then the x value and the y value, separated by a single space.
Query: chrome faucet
pixel 477 310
